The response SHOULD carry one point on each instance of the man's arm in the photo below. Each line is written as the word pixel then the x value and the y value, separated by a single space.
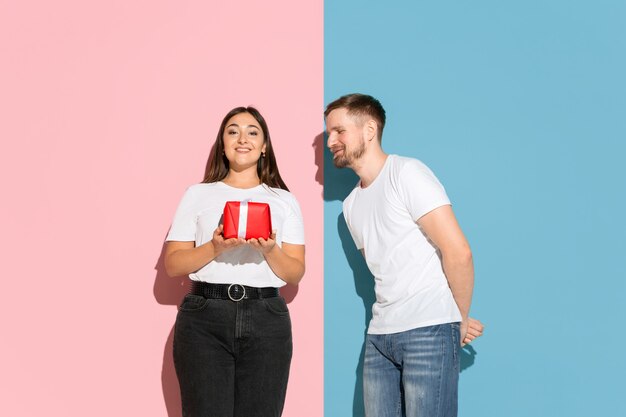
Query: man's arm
pixel 443 230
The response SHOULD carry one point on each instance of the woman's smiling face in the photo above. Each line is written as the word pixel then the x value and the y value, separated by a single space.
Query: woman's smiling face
pixel 243 141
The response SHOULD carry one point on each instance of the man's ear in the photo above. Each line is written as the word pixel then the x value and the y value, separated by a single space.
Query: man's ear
pixel 371 129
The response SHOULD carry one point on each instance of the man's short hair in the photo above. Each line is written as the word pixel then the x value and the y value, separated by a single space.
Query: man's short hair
pixel 360 105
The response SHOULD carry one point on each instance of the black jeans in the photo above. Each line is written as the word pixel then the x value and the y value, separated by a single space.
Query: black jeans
pixel 232 358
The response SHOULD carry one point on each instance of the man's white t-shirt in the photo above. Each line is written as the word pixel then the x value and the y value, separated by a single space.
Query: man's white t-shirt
pixel 411 288
pixel 200 213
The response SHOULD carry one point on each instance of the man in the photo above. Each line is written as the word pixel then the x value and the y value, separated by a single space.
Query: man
pixel 401 220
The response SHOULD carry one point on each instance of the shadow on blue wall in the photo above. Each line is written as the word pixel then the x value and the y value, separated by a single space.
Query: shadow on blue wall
pixel 364 286
pixel 337 185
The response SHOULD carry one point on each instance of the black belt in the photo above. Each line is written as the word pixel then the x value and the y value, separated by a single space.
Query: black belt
pixel 233 292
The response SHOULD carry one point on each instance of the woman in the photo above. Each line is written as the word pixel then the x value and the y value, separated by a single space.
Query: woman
pixel 232 340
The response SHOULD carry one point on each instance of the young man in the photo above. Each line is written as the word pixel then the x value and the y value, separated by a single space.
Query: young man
pixel 401 220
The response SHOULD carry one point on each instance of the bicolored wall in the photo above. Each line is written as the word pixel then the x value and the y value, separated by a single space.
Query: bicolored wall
pixel 108 111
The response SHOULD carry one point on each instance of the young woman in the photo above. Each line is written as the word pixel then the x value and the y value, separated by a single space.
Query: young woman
pixel 232 340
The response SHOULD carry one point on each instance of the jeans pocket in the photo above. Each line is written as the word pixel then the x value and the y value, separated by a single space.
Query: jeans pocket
pixel 193 302
pixel 276 305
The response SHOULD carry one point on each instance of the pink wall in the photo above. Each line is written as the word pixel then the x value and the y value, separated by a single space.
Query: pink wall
pixel 108 110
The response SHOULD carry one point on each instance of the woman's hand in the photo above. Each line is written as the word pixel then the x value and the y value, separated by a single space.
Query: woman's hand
pixel 264 245
pixel 221 245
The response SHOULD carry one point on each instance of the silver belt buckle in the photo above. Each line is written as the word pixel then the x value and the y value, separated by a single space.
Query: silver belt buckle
pixel 242 295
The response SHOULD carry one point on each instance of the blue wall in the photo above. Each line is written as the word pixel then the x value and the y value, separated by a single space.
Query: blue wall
pixel 520 109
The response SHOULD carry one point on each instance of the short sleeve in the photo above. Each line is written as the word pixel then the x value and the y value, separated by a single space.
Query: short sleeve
pixel 184 224
pixel 420 190
pixel 293 226
pixel 346 209
pixel 355 238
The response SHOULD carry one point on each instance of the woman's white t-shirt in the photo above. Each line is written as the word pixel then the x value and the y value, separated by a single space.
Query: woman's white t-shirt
pixel 200 213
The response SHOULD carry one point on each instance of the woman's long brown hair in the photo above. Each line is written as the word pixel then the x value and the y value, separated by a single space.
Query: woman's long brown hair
pixel 267 169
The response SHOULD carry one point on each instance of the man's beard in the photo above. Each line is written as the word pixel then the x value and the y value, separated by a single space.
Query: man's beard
pixel 349 157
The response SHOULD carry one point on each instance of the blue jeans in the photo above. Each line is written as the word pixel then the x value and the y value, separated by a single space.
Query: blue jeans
pixel 232 358
pixel 413 373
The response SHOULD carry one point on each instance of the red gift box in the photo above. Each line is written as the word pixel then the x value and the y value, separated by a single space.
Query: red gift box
pixel 247 220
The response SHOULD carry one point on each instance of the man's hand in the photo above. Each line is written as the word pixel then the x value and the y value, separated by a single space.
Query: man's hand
pixel 470 330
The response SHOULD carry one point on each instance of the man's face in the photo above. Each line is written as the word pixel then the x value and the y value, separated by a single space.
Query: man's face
pixel 346 139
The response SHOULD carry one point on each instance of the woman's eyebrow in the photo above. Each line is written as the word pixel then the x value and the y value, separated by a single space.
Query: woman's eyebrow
pixel 236 125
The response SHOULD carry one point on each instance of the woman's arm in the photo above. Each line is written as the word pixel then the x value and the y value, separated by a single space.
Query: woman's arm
pixel 287 261
pixel 183 258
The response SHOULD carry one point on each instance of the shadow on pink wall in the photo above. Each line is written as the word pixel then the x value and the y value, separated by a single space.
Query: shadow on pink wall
pixel 170 291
